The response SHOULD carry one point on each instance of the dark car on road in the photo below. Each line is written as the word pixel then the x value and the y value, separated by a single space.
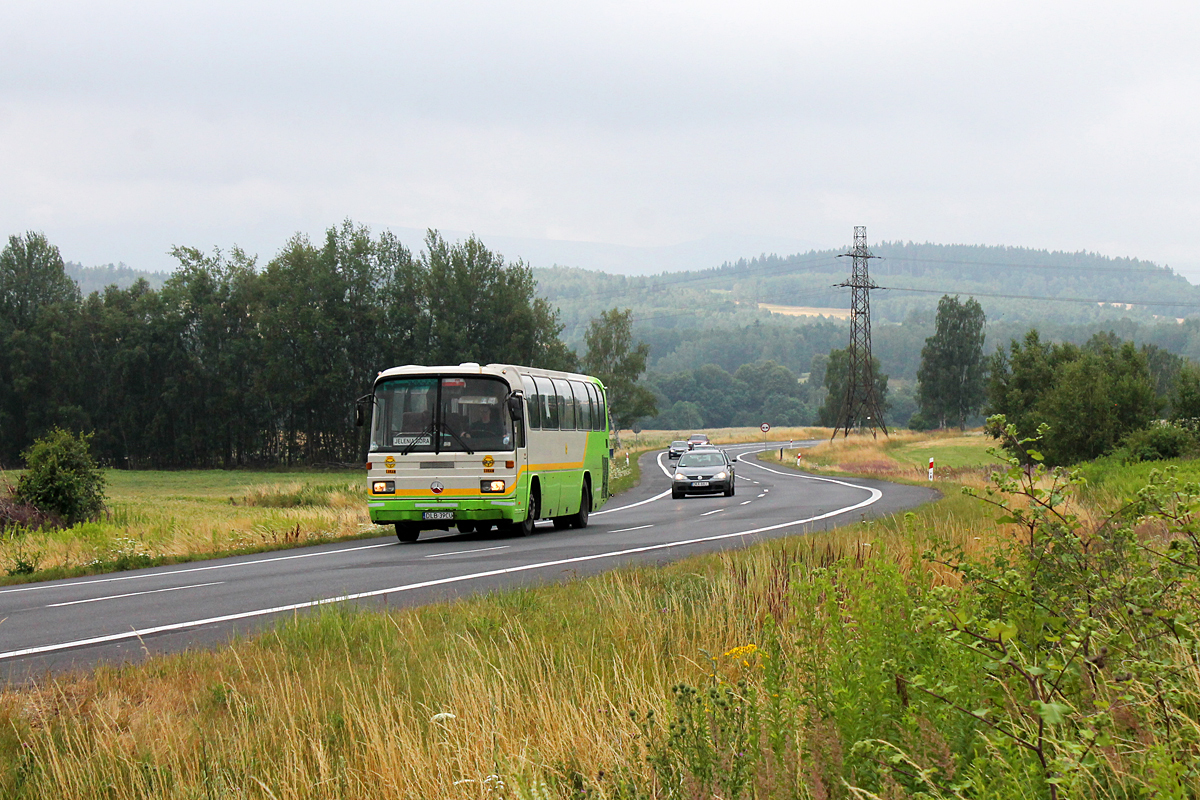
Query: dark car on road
pixel 704 471
pixel 697 439
pixel 677 448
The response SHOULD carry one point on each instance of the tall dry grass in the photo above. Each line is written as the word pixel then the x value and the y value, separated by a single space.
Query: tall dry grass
pixel 462 700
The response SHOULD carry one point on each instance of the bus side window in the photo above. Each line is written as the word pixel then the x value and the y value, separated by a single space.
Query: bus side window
pixel 566 405
pixel 549 403
pixel 584 403
pixel 597 411
pixel 603 410
pixel 531 400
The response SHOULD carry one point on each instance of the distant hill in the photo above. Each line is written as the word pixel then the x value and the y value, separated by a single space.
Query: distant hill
pixel 1013 284
pixel 96 279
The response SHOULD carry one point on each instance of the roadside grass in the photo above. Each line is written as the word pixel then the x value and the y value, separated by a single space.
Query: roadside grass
pixel 748 673
pixel 159 517
pixel 505 695
pixel 1111 482
pixel 903 456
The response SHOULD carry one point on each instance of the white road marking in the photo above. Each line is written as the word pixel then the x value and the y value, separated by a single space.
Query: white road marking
pixel 714 511
pixel 460 552
pixel 875 494
pixel 132 594
pixel 746 502
pixel 764 494
pixel 632 505
pixel 44 586
pixel 626 530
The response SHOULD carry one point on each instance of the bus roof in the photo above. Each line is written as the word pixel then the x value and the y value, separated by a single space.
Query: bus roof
pixel 471 368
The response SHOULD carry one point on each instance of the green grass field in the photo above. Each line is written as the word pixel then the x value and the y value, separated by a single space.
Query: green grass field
pixel 953 451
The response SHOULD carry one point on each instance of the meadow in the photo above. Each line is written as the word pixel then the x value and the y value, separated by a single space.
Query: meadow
pixel 835 665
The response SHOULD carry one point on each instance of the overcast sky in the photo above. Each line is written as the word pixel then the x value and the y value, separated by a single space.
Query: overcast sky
pixel 127 127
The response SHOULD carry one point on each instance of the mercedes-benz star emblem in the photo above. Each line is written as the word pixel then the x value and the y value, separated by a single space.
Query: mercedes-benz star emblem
pixel 436 487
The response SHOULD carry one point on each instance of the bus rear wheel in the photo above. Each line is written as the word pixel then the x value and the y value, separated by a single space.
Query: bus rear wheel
pixel 407 532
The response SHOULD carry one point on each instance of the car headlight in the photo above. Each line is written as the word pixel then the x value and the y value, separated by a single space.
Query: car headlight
pixel 679 476
pixel 720 476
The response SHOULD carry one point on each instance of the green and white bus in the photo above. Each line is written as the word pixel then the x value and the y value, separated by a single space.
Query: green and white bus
pixel 477 447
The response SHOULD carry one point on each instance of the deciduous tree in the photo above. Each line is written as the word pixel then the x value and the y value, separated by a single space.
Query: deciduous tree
pixel 951 383
pixel 614 359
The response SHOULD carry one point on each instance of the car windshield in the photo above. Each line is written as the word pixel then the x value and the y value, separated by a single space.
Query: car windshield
pixel 702 460
pixel 678 444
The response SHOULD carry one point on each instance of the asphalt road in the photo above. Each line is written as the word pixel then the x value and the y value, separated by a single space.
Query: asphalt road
pixel 75 624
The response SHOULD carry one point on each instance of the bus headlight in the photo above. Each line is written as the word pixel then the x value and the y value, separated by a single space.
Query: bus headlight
pixel 491 487
pixel 383 487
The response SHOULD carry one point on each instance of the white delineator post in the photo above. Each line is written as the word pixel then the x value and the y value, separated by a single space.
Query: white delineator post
pixel 930 468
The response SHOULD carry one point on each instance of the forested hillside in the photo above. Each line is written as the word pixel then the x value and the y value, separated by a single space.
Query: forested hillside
pixel 232 364
pixel 1007 282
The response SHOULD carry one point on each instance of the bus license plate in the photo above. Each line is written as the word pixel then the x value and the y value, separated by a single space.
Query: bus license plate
pixel 438 515
pixel 698 484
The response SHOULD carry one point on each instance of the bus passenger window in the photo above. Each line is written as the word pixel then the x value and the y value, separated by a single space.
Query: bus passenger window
pixel 549 403
pixel 566 405
pixel 531 400
pixel 603 421
pixel 584 405
pixel 594 399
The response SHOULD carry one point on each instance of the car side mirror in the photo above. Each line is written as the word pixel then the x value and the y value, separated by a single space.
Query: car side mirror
pixel 516 408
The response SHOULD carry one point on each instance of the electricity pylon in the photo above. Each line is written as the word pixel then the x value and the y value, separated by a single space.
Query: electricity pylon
pixel 861 404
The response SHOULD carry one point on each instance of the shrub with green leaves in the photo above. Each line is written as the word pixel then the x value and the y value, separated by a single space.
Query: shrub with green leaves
pixel 62 478
pixel 1157 443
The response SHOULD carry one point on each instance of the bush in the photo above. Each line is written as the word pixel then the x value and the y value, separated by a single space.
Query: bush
pixel 1157 443
pixel 62 478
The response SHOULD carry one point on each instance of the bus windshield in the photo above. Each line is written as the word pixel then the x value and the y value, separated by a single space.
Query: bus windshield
pixel 436 415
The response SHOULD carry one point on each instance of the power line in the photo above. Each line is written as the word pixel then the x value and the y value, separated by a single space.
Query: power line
pixel 1151 270
pixel 1166 303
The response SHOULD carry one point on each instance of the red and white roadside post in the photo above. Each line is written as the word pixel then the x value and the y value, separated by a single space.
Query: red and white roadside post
pixel 931 468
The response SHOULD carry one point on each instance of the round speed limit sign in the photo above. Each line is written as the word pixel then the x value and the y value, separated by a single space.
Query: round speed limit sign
pixel 764 427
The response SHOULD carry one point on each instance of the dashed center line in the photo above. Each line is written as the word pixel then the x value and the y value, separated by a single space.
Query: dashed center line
pixel 462 552
pixel 626 530
pixel 746 502
pixel 714 511
pixel 764 494
pixel 132 594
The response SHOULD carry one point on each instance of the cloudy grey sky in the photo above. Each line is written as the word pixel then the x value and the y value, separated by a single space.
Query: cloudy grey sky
pixel 127 127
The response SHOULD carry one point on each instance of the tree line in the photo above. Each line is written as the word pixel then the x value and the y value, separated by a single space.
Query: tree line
pixel 230 364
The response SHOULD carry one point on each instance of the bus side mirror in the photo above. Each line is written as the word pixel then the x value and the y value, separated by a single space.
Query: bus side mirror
pixel 515 408
pixel 360 409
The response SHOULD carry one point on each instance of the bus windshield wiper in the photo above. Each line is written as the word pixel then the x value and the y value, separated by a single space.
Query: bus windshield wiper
pixel 416 439
pixel 450 431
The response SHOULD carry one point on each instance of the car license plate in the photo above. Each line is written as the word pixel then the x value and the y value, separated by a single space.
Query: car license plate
pixel 698 484
pixel 438 515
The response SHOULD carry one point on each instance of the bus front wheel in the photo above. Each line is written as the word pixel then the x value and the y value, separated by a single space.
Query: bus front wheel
pixel 525 526
pixel 580 520
pixel 407 532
